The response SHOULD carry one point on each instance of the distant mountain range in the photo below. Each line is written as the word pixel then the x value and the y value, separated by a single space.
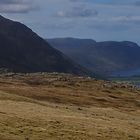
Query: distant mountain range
pixel 108 58
pixel 22 50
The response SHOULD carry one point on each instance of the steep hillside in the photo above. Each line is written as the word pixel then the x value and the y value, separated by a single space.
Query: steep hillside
pixel 109 58
pixel 22 50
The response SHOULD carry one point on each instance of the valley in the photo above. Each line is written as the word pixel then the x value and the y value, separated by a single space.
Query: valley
pixel 46 94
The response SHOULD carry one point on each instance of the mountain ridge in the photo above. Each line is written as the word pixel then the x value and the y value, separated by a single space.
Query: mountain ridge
pixel 106 58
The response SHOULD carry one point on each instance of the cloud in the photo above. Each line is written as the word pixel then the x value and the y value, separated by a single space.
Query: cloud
pixel 17 6
pixel 9 1
pixel 77 0
pixel 80 11
pixel 137 3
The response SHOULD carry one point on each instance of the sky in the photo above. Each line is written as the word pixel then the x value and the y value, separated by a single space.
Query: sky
pixel 100 20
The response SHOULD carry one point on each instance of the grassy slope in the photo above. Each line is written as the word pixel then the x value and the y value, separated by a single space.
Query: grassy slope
pixel 56 107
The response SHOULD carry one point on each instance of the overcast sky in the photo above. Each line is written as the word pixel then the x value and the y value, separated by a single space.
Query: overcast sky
pixel 97 19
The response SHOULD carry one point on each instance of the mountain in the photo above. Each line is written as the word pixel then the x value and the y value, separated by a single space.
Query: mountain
pixel 108 58
pixel 22 50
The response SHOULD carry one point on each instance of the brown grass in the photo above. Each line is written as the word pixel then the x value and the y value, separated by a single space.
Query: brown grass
pixel 64 107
